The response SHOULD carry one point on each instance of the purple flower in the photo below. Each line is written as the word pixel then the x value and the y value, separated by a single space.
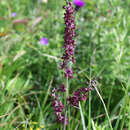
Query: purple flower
pixel 62 88
pixel 85 90
pixel 58 106
pixel 69 35
pixel 60 118
pixel 68 72
pixel 44 41
pixel 79 3
pixel 13 14
pixel 79 95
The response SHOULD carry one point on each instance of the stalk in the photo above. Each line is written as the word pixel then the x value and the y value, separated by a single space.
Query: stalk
pixel 104 108
pixel 67 58
pixel 66 97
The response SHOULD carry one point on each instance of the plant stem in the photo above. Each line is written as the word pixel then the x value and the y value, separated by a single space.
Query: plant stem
pixel 89 116
pixel 104 107
pixel 66 97
pixel 82 117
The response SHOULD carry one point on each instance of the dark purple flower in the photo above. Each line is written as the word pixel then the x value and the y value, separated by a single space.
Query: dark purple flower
pixel 57 106
pixel 74 101
pixel 60 118
pixel 79 95
pixel 76 93
pixel 87 83
pixel 53 93
pixel 79 3
pixel 44 41
pixel 68 72
pixel 13 14
pixel 55 103
pixel 84 98
pixel 53 90
pixel 69 43
pixel 62 88
pixel 85 90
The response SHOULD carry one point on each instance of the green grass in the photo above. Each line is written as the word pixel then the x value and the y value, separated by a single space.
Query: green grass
pixel 29 70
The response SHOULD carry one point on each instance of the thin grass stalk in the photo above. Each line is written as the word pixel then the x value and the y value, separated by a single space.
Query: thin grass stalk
pixel 89 116
pixel 82 117
pixel 104 107
pixel 126 100
pixel 118 119
pixel 109 100
pixel 129 119
pixel 93 125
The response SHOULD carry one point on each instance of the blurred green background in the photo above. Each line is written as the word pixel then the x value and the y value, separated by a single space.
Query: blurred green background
pixel 29 70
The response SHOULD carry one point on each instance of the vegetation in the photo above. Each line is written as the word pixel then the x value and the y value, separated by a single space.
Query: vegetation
pixel 29 70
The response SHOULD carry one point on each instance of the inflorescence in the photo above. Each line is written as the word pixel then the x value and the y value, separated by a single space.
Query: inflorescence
pixel 57 105
pixel 68 57
pixel 69 43
pixel 78 95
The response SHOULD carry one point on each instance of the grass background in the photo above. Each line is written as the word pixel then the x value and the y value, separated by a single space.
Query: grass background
pixel 29 70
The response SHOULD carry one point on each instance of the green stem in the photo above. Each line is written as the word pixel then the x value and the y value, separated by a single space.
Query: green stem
pixel 66 97
pixel 89 117
pixel 104 107
pixel 82 117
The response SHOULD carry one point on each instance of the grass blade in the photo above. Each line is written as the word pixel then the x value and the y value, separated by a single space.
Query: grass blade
pixel 82 117
pixel 104 107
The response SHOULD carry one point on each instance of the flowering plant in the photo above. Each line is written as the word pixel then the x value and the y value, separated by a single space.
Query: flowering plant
pixel 60 109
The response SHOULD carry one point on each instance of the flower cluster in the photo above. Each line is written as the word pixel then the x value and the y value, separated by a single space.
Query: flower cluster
pixel 68 72
pixel 69 43
pixel 57 105
pixel 79 95
pixel 62 88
